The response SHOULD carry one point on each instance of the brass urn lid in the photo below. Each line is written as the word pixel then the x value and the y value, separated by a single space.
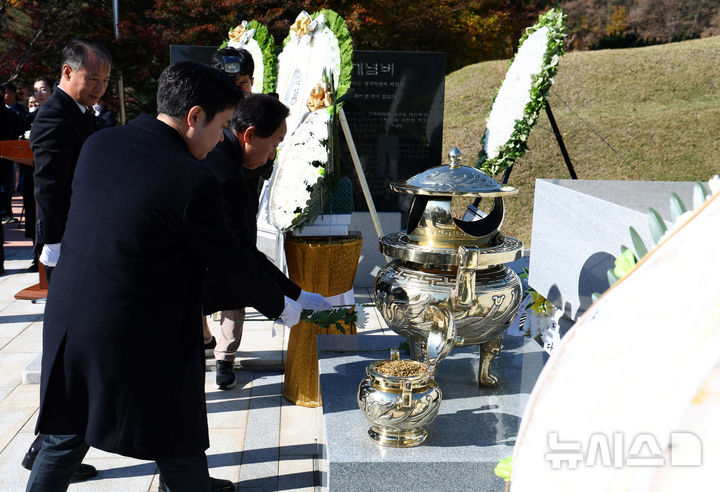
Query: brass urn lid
pixel 453 179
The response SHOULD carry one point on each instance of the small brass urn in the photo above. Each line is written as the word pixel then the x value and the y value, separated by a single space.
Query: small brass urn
pixel 400 398
pixel 452 254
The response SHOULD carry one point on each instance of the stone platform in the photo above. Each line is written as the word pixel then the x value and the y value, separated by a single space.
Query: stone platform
pixel 475 428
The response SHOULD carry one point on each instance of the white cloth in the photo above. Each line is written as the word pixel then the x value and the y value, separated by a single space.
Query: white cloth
pixel 50 254
pixel 313 301
pixel 291 314
pixel 344 299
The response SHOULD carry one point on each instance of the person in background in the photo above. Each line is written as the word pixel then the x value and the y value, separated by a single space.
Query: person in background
pixel 237 64
pixel 10 128
pixel 256 129
pixel 7 168
pixel 146 222
pixel 58 133
pixel 33 104
pixel 11 102
pixel 42 90
pixel 104 114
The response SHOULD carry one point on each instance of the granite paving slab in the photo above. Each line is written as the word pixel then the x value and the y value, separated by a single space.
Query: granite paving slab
pixel 475 428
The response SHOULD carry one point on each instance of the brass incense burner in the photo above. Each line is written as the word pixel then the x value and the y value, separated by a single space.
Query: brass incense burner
pixel 453 256
pixel 399 406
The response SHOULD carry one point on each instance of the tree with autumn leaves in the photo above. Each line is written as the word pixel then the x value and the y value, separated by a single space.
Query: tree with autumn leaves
pixel 33 32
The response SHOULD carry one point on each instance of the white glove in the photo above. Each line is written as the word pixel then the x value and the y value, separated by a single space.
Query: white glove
pixel 50 254
pixel 313 301
pixel 291 314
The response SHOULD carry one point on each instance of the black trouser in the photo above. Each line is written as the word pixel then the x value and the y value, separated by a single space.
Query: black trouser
pixel 61 456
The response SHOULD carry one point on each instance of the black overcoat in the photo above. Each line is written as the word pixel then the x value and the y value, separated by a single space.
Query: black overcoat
pixel 58 132
pixel 225 163
pixel 123 361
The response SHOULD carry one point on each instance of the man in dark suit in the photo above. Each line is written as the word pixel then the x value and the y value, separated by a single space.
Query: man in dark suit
pixel 58 132
pixel 10 128
pixel 145 223
pixel 256 129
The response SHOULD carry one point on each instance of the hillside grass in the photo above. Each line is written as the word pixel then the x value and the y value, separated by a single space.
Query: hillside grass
pixel 658 107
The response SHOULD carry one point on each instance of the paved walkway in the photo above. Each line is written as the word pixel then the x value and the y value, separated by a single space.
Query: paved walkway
pixel 258 439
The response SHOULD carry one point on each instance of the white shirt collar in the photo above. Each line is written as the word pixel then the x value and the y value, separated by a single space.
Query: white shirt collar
pixel 82 108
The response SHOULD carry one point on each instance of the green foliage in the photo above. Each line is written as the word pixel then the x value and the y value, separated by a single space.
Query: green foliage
pixel 332 318
pixel 517 144
pixel 338 26
pixel 266 41
pixel 504 468
pixel 656 225
pixel 638 244
pixel 677 207
pixel 699 195
pixel 624 263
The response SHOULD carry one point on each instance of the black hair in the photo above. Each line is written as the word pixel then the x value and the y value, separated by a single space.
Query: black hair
pixel 77 51
pixel 183 85
pixel 9 86
pixel 44 79
pixel 262 111
pixel 247 65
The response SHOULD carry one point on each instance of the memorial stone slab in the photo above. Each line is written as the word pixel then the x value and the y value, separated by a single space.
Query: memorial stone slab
pixel 579 227
pixel 198 54
pixel 475 427
pixel 395 116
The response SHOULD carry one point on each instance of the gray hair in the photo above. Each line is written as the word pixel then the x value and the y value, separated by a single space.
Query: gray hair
pixel 77 51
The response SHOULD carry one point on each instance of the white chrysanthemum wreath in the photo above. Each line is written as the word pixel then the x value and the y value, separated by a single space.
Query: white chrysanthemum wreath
pixel 257 40
pixel 316 44
pixel 319 47
pixel 299 169
pixel 523 93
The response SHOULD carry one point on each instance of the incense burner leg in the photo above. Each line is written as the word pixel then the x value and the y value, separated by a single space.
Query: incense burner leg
pixel 488 352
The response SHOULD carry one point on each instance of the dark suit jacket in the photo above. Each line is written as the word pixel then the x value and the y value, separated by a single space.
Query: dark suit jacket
pixel 225 162
pixel 123 362
pixel 58 132
pixel 106 117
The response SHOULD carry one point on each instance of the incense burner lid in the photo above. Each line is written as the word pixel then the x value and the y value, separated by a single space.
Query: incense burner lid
pixel 453 179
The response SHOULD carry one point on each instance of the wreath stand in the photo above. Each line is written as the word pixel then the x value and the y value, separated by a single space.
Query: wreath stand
pixel 561 144
pixel 328 268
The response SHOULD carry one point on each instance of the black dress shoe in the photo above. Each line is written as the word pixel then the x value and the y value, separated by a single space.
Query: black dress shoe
pixel 216 485
pixel 83 472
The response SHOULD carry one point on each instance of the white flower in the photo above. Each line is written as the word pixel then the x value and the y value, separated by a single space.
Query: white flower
pixel 296 173
pixel 514 94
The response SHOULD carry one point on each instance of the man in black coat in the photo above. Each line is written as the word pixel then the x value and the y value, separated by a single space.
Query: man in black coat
pixel 10 129
pixel 145 222
pixel 58 132
pixel 256 129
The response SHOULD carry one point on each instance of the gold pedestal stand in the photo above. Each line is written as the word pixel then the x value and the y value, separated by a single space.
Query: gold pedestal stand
pixel 325 265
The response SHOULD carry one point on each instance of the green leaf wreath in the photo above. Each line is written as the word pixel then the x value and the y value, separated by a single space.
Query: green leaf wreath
pixel 495 161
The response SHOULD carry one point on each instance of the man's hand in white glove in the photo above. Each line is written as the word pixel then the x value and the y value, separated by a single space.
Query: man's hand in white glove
pixel 313 301
pixel 291 314
pixel 50 254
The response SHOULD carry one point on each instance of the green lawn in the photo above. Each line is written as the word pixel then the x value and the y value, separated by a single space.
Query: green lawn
pixel 658 107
